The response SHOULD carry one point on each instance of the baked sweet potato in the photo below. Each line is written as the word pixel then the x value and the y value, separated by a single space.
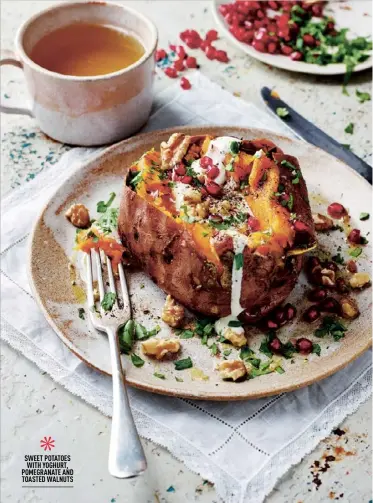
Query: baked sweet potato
pixel 203 209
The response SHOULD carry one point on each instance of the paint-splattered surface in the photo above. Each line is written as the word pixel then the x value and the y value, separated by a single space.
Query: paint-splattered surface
pixel 339 468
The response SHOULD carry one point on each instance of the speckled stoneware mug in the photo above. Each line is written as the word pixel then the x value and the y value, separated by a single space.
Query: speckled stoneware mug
pixel 86 110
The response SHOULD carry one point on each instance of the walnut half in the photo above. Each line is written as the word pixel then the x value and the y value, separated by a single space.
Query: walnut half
pixel 238 339
pixel 322 222
pixel 160 347
pixel 173 312
pixel 359 280
pixel 232 369
pixel 349 308
pixel 79 216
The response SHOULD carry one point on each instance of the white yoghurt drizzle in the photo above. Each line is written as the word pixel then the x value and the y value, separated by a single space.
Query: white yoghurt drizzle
pixel 221 325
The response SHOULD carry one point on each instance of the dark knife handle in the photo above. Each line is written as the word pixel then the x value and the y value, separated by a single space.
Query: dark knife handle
pixel 314 135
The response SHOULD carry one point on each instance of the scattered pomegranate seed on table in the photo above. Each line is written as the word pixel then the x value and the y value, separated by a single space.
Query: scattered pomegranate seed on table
pixel 185 84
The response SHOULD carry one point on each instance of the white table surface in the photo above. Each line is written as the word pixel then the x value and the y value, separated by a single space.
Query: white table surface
pixel 33 405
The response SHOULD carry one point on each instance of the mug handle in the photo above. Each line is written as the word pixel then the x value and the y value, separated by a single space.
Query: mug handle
pixel 9 58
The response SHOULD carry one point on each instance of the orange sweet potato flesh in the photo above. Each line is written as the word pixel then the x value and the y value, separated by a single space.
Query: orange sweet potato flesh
pixel 182 261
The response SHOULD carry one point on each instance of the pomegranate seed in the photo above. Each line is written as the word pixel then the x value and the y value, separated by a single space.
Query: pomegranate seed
pixel 316 10
pixel 222 56
pixel 260 14
pixel 311 314
pixel 272 47
pixel 272 325
pixel 354 237
pixel 296 56
pixel 317 294
pixel 180 51
pixel 224 9
pixel 206 161
pixel 212 172
pixel 304 346
pixel 160 54
pixel 259 46
pixel 309 40
pixel 210 52
pixel 185 84
pixel 279 316
pixel 312 263
pixel 273 5
pixel 204 45
pixel 351 266
pixel 290 312
pixel 213 189
pixel 187 179
pixel 283 20
pixel 285 49
pixel 180 169
pixel 191 62
pixel 179 65
pixel 253 224
pixel 336 210
pixel 329 305
pixel 212 35
pixel 275 345
pixel 171 72
pixel 341 285
pixel 192 34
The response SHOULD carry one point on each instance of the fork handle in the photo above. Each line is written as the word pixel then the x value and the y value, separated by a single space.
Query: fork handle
pixel 126 455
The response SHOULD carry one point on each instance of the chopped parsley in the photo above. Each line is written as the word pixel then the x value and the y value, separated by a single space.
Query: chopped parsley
pixel 235 323
pixel 179 379
pixel 160 376
pixel 338 259
pixel 364 216
pixel 238 261
pixel 108 221
pixel 234 147
pixel 355 252
pixel 136 179
pixel 108 301
pixel 81 313
pixel 316 349
pixel 282 112
pixel 102 206
pixel 349 129
pixel 136 360
pixel 290 203
pixel 362 97
pixel 331 326
pixel 186 334
pixel 205 328
pixel 279 370
pixel 214 349
pixel 227 352
pixel 126 336
pixel 186 363
pixel 288 349
pixel 246 353
pixel 142 334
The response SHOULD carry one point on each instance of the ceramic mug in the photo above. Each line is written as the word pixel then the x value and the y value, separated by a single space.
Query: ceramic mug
pixel 86 110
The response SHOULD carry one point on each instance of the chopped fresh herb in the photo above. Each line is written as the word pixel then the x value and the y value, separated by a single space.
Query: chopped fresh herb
pixel 338 259
pixel 221 339
pixel 234 147
pixel 214 349
pixel 81 313
pixel 227 352
pixel 289 165
pixel 355 252
pixel 190 172
pixel 179 379
pixel 238 261
pixel 205 234
pixel 163 175
pixel 102 206
pixel 279 370
pixel 363 240
pixel 142 334
pixel 136 360
pixel 126 336
pixel 108 301
pixel 186 363
pixel 349 128
pixel 364 216
pixel 282 112
pixel 362 97
pixel 108 221
pixel 160 376
pixel 331 326
pixel 186 334
pixel 280 187
pixel 288 349
pixel 291 202
pixel 171 184
pixel 316 349
pixel 295 180
pixel 264 348
pixel 235 323
pixel 246 353
pixel 346 146
pixel 136 179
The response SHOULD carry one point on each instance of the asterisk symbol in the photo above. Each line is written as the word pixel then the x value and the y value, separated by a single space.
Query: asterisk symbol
pixel 47 443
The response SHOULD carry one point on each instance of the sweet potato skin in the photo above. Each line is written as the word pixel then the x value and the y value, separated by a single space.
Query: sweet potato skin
pixel 165 250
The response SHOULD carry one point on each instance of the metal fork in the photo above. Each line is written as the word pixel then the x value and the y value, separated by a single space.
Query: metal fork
pixel 126 455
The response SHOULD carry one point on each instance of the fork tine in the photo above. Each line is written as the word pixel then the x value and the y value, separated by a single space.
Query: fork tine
pixel 101 287
pixel 123 285
pixel 90 296
pixel 111 275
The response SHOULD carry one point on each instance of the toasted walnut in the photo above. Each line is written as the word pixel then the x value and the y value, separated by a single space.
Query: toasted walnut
pixel 173 313
pixel 232 369
pixel 322 222
pixel 225 207
pixel 174 150
pixel 238 339
pixel 160 347
pixel 359 280
pixel 79 216
pixel 193 152
pixel 202 210
pixel 328 277
pixel 193 196
pixel 349 308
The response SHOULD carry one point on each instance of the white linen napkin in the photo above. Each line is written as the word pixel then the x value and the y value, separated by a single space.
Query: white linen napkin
pixel 242 447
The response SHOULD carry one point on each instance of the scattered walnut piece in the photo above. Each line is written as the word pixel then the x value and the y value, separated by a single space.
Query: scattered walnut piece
pixel 174 150
pixel 173 313
pixel 232 369
pixel 349 308
pixel 351 266
pixel 359 280
pixel 328 277
pixel 79 216
pixel 322 222
pixel 238 339
pixel 160 347
pixel 193 195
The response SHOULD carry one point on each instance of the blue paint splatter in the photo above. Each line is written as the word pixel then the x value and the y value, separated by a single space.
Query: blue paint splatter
pixel 171 489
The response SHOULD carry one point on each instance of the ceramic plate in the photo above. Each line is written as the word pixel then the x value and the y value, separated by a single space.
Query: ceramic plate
pixel 52 242
pixel 355 15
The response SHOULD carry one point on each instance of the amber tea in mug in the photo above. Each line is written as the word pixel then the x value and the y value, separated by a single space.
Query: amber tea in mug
pixel 86 49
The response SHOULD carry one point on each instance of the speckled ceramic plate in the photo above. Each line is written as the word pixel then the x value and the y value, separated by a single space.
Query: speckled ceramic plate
pixel 52 242
pixel 355 15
